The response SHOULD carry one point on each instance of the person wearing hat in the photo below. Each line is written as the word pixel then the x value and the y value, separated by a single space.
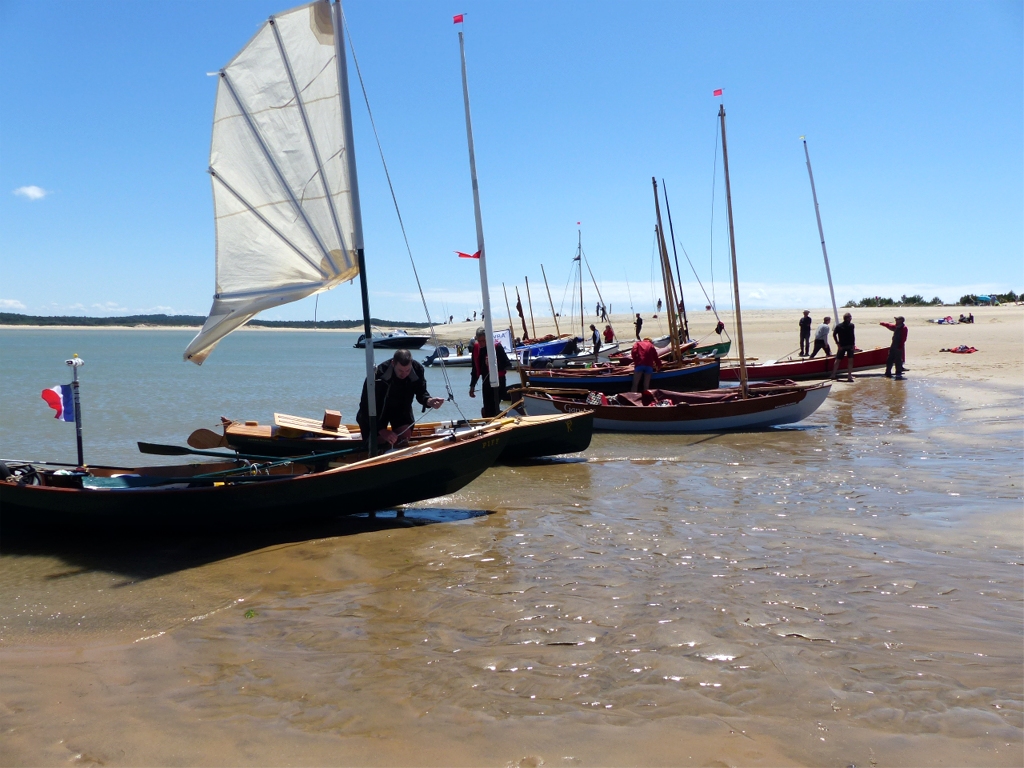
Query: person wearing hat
pixel 843 334
pixel 897 350
pixel 805 333
pixel 481 371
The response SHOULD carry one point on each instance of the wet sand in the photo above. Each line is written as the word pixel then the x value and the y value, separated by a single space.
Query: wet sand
pixel 848 592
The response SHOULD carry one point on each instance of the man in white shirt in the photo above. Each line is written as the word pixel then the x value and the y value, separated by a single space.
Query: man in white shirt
pixel 821 338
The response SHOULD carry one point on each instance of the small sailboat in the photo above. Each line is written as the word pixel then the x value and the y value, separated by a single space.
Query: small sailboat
pixel 745 407
pixel 288 225
pixel 821 368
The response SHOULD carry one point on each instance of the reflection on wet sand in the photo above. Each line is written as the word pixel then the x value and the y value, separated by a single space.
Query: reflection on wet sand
pixel 815 596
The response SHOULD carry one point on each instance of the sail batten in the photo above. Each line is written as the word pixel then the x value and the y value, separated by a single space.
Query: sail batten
pixel 285 200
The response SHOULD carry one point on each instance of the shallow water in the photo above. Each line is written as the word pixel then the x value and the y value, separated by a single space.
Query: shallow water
pixel 846 592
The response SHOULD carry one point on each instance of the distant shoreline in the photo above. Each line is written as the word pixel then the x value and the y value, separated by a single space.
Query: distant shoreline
pixel 185 322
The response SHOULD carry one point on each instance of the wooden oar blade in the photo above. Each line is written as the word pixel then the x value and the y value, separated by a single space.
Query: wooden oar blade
pixel 163 450
pixel 206 438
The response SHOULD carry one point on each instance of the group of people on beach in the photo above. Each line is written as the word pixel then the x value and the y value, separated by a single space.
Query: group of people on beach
pixel 845 339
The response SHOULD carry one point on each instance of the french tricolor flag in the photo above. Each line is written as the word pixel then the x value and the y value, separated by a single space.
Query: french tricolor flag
pixel 61 399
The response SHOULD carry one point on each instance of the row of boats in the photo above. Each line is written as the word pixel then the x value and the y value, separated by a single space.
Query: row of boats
pixel 288 225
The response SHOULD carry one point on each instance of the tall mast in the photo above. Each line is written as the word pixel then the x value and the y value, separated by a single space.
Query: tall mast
pixel 579 268
pixel 554 315
pixel 529 301
pixel 492 359
pixel 821 234
pixel 679 274
pixel 666 279
pixel 357 223
pixel 732 250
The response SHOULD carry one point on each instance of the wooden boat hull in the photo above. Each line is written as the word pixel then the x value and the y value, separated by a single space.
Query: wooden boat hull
pixel 765 410
pixel 689 378
pixel 818 368
pixel 414 474
pixel 529 437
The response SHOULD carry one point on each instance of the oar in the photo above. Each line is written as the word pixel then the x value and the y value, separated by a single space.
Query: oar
pixel 174 450
pixel 313 457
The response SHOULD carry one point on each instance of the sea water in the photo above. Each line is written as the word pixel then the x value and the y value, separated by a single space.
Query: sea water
pixel 845 592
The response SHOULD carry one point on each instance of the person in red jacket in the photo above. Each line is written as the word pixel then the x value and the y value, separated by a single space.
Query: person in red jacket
pixel 645 362
pixel 897 351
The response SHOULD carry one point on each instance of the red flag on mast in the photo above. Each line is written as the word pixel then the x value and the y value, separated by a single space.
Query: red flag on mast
pixel 457 18
pixel 718 92
pixel 468 255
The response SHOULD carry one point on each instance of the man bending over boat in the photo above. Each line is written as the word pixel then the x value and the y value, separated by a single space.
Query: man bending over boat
pixel 645 363
pixel 397 382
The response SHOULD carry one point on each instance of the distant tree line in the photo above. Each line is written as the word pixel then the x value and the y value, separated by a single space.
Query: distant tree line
pixel 187 321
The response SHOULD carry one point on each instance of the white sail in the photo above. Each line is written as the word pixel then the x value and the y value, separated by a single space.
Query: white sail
pixel 284 190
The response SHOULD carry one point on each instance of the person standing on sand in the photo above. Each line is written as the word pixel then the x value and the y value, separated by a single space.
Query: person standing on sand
pixel 805 333
pixel 609 334
pixel 897 350
pixel 645 362
pixel 821 338
pixel 595 340
pixel 845 343
pixel 638 324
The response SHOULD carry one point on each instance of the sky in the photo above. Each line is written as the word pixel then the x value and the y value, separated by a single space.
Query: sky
pixel 913 114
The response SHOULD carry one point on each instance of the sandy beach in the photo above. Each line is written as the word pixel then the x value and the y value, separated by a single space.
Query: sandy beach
pixel 843 593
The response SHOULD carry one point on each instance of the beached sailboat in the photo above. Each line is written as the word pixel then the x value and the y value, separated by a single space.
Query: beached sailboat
pixel 288 225
pixel 746 407
pixel 800 367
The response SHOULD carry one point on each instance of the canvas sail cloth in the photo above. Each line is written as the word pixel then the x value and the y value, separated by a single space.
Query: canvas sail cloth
pixel 284 192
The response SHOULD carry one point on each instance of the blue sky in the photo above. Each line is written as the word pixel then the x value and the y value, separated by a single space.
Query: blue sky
pixel 914 114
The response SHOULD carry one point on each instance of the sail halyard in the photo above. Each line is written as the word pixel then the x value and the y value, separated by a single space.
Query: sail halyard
pixel 492 362
pixel 821 234
pixel 283 176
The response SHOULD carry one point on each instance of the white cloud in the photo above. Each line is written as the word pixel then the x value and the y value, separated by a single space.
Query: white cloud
pixel 31 192
pixel 11 304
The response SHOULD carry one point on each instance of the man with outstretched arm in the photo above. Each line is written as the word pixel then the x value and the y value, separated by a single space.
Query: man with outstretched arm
pixel 481 371
pixel 897 350
pixel 396 383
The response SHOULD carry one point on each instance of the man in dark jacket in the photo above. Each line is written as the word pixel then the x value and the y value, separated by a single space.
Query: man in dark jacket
pixel 482 371
pixel 805 334
pixel 897 350
pixel 397 382
pixel 844 336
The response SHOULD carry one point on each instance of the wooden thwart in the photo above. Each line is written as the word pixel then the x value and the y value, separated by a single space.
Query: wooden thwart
pixel 314 426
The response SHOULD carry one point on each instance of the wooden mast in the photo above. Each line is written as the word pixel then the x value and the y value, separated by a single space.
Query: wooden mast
pixel 732 249
pixel 821 234
pixel 553 315
pixel 671 302
pixel 529 303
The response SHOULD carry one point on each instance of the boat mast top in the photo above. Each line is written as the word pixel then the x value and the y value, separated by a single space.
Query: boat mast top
pixel 732 250
pixel 492 361
pixel 666 279
pixel 821 234
pixel 679 274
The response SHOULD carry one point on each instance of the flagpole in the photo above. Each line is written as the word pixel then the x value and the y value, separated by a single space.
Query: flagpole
pixel 821 234
pixel 76 362
pixel 492 358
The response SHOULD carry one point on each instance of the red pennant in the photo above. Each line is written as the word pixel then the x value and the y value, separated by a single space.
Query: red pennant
pixel 457 19
pixel 468 255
